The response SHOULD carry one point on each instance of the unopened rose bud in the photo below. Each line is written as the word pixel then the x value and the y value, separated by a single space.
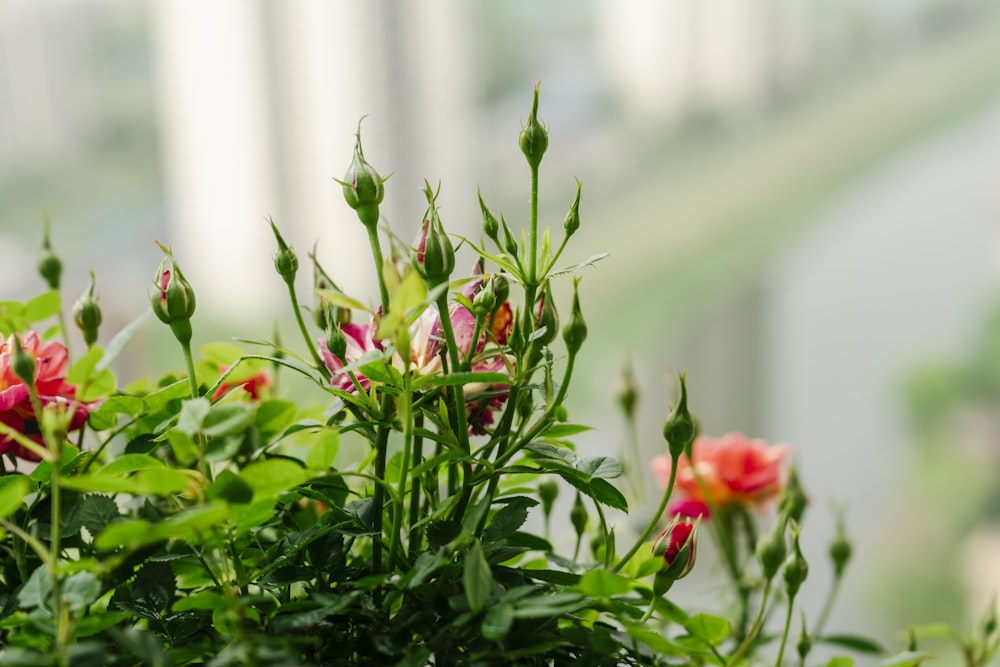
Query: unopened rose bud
pixel 805 642
pixel 547 319
pixel 509 240
pixel 771 550
pixel 793 499
pixel 49 264
pixel 172 298
pixel 578 515
pixel 87 314
pixel 534 139
pixel 485 300
pixel 572 220
pixel 680 428
pixel 796 568
pixel 575 331
pixel 840 549
pixel 491 226
pixel 23 364
pixel 548 491
pixel 363 187
pixel 675 547
pixel 336 342
pixel 627 394
pixel 286 263
pixel 433 256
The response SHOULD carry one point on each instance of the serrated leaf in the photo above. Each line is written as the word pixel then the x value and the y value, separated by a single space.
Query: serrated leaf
pixel 96 512
pixel 602 467
pixel 80 590
pixel 477 578
pixel 708 628
pixel 509 518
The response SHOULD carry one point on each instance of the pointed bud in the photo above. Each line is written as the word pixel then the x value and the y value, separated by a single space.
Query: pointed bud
pixel 172 298
pixel 804 645
pixel 485 301
pixel 627 394
pixel 286 263
pixel 23 364
pixel 796 568
pixel 49 264
pixel 534 139
pixel 548 491
pixel 509 240
pixel 675 547
pixel 363 187
pixel 771 550
pixel 547 318
pixel 575 331
pixel 87 314
pixel 793 499
pixel 433 257
pixel 578 515
pixel 491 226
pixel 336 342
pixel 840 549
pixel 680 428
pixel 572 221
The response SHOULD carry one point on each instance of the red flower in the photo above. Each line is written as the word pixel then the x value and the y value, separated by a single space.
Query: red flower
pixel 16 410
pixel 252 385
pixel 731 470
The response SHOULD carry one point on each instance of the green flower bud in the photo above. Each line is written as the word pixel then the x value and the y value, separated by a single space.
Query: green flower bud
pixel 805 642
pixel 23 364
pixel 547 318
pixel 771 550
pixel 87 314
pixel 680 428
pixel 491 226
pixel 578 515
pixel 49 264
pixel 509 240
pixel 534 139
pixel 336 342
pixel 840 549
pixel 796 568
pixel 627 394
pixel 575 331
pixel 286 263
pixel 485 300
pixel 172 298
pixel 433 257
pixel 501 288
pixel 548 491
pixel 793 498
pixel 363 187
pixel 572 221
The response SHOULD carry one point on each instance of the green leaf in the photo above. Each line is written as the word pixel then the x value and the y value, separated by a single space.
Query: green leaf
pixel 227 486
pixel 460 378
pixel 13 489
pixel 323 451
pixel 42 307
pixel 37 590
pixel 509 518
pixel 192 416
pixel 498 621
pixel 121 339
pixel 80 590
pixel 904 659
pixel 840 661
pixel 708 628
pixel 104 417
pixel 80 372
pixel 131 533
pixel 156 400
pixel 130 463
pixel 603 467
pixel 602 584
pixel 274 416
pixel 564 430
pixel 606 494
pixel 854 642
pixel 228 418
pixel 477 578
pixel 96 512
pixel 272 477
pixel 653 640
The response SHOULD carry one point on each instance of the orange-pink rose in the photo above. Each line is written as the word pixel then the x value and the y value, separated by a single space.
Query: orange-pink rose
pixel 731 470
pixel 16 410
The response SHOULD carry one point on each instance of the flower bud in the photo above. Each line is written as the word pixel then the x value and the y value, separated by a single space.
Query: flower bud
pixel 534 139
pixel 49 264
pixel 572 221
pixel 793 498
pixel 840 549
pixel 336 342
pixel 433 257
pixel 805 642
pixel 627 394
pixel 548 491
pixel 363 187
pixel 491 226
pixel 547 318
pixel 172 298
pixel 485 300
pixel 676 548
pixel 23 364
pixel 509 240
pixel 87 314
pixel 575 331
pixel 578 515
pixel 286 263
pixel 501 288
pixel 680 428
pixel 796 568
pixel 771 550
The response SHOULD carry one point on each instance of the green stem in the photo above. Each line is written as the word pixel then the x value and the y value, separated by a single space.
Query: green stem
pixel 657 515
pixel 827 606
pixel 379 261
pixel 313 352
pixel 65 333
pixel 754 629
pixel 458 405
pixel 533 236
pixel 418 443
pixel 784 635
pixel 608 547
pixel 564 386
pixel 404 468
pixel 381 444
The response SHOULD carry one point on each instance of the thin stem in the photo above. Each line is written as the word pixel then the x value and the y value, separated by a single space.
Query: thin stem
pixel 564 386
pixel 827 606
pixel 379 261
pixel 608 550
pixel 654 521
pixel 404 468
pixel 533 236
pixel 313 352
pixel 418 443
pixel 754 629
pixel 784 635
pixel 381 444
pixel 65 332
pixel 458 403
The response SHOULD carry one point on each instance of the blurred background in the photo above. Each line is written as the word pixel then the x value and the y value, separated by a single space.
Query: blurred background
pixel 800 200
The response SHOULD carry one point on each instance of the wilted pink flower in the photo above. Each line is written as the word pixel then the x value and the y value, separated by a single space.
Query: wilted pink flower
pixel 16 411
pixel 731 470
pixel 359 340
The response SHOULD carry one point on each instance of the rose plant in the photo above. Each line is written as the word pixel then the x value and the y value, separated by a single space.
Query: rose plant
pixel 205 518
